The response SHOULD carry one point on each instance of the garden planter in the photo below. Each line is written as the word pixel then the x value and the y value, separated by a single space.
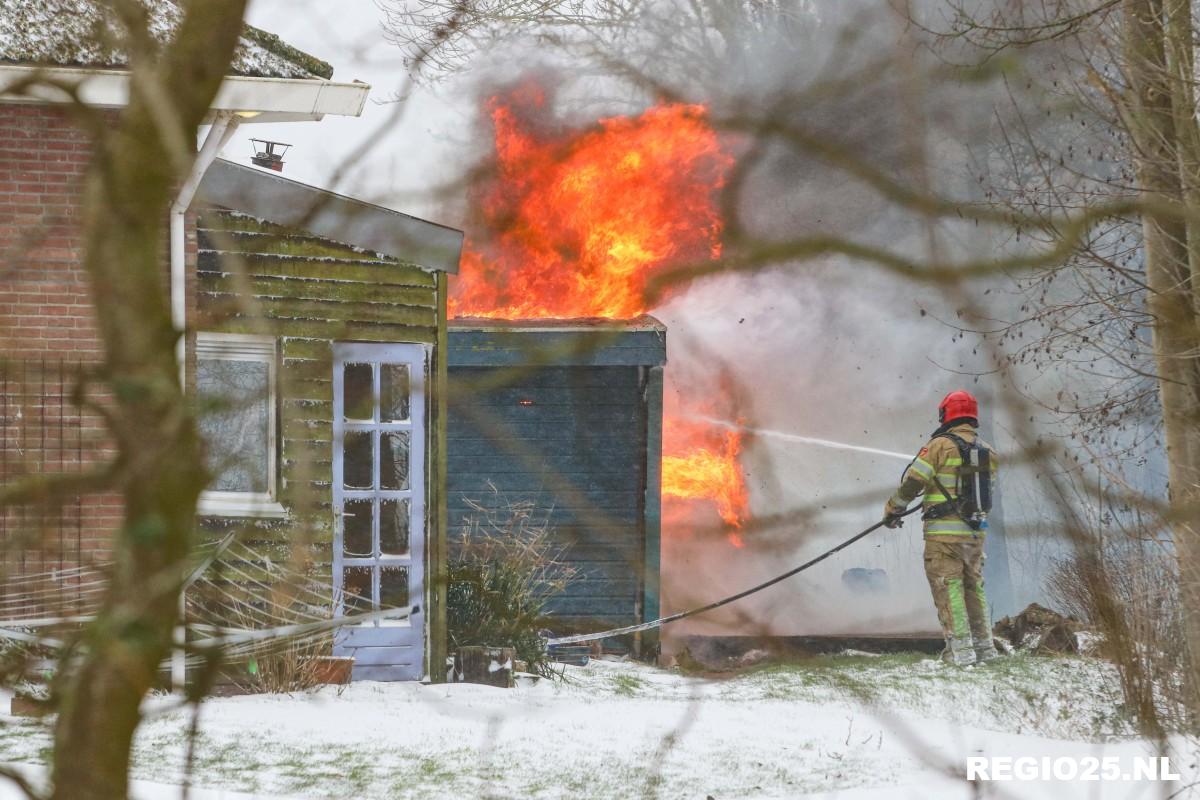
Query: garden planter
pixel 333 669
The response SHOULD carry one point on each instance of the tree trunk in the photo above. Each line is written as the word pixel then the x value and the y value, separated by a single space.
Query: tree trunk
pixel 1186 469
pixel 1161 114
pixel 137 165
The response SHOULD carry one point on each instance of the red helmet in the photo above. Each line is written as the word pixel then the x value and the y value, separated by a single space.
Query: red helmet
pixel 956 405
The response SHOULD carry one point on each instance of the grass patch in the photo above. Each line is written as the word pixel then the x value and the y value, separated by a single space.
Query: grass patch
pixel 27 742
pixel 1020 693
pixel 860 676
pixel 626 685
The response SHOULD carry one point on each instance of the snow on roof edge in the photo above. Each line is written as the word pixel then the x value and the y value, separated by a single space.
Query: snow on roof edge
pixel 83 33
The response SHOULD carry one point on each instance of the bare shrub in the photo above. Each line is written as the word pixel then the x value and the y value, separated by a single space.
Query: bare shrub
pixel 1128 589
pixel 276 664
pixel 296 665
pixel 505 569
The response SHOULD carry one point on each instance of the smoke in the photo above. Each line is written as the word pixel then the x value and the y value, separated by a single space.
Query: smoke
pixel 838 390
pixel 827 349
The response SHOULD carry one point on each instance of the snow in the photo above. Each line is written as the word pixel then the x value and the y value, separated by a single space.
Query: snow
pixel 140 790
pixel 846 727
pixel 67 32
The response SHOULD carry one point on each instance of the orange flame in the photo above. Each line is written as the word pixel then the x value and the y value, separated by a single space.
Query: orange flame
pixel 581 221
pixel 576 223
pixel 700 469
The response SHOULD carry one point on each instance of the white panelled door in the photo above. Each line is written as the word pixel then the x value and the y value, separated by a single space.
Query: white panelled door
pixel 379 442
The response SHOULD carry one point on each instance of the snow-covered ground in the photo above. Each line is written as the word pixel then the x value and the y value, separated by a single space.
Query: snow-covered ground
pixel 846 727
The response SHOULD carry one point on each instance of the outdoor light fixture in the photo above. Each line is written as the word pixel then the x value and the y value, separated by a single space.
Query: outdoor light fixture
pixel 268 154
pixel 525 402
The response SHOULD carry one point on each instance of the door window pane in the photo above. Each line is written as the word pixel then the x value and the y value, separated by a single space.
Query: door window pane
pixel 358 392
pixel 393 587
pixel 356 460
pixel 235 422
pixel 393 527
pixel 393 392
pixel 393 460
pixel 356 529
pixel 356 590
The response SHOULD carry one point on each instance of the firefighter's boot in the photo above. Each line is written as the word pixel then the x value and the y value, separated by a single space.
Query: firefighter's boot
pixel 986 651
pixel 959 651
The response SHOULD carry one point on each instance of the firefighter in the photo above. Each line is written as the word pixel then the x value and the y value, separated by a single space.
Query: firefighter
pixel 954 527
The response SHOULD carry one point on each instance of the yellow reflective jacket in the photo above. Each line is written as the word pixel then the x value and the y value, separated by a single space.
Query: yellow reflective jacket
pixel 939 457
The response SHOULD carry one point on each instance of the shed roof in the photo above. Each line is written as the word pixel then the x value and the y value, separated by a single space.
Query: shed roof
pixel 578 324
pixel 84 33
pixel 286 202
pixel 477 342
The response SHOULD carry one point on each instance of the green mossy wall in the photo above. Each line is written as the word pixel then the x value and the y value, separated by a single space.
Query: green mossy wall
pixel 256 277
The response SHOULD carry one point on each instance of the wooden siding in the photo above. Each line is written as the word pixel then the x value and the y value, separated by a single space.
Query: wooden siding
pixel 256 277
pixel 573 441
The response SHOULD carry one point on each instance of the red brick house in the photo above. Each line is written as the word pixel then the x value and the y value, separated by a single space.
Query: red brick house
pixel 339 365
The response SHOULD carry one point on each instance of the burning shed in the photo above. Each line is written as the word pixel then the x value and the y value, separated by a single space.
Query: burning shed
pixel 567 415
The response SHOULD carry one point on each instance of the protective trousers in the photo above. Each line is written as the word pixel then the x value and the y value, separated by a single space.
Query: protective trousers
pixel 955 572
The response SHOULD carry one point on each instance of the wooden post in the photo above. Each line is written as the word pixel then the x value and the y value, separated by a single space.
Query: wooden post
pixel 437 550
pixel 651 563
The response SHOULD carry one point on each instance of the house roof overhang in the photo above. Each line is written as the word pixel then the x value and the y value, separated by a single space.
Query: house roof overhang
pixel 253 99
pixel 286 202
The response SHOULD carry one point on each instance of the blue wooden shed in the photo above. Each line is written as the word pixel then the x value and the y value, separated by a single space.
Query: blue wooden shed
pixel 567 415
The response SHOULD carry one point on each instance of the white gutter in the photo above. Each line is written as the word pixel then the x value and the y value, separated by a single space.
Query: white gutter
pixel 260 99
pixel 223 126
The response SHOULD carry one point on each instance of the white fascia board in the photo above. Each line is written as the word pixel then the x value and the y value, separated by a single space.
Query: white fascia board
pixel 290 96
pixel 273 99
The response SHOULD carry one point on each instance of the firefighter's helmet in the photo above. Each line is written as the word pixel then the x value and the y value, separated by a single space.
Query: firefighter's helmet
pixel 956 405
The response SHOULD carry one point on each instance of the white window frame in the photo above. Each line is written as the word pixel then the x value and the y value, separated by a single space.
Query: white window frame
pixel 262 349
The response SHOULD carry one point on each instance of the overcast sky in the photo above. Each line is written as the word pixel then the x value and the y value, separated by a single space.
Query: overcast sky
pixel 421 147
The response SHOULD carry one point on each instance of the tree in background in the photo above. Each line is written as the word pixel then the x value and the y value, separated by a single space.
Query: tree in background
pixel 1106 109
pixel 1159 108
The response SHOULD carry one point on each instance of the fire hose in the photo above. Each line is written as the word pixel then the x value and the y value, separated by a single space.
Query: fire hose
pixel 658 623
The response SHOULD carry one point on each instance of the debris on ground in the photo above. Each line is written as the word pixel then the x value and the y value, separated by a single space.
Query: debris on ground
pixel 754 657
pixel 711 654
pixel 709 659
pixel 1042 631
pixel 850 651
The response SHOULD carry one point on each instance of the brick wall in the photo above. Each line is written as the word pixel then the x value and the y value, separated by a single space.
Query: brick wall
pixel 47 335
pixel 44 304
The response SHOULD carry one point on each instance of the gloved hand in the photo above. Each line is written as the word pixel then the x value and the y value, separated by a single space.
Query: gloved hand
pixel 892 518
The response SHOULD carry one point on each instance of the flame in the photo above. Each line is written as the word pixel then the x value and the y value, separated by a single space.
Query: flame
pixel 576 223
pixel 579 222
pixel 703 465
